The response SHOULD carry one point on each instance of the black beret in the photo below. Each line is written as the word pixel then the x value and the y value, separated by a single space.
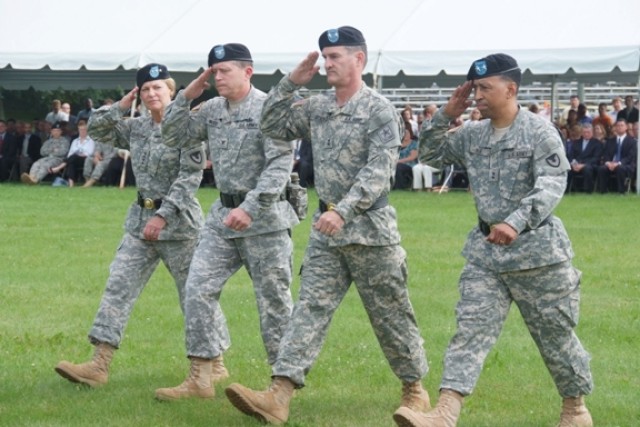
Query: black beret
pixel 151 72
pixel 229 52
pixel 493 65
pixel 56 125
pixel 343 36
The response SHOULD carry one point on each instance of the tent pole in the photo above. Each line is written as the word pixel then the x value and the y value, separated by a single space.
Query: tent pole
pixel 552 113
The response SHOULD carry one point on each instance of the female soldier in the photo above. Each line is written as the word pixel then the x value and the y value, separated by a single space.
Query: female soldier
pixel 162 224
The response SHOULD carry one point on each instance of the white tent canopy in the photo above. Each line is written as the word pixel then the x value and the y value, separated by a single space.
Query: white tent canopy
pixel 75 43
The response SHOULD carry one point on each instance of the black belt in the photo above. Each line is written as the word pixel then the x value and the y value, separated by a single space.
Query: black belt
pixel 229 200
pixel 147 203
pixel 485 228
pixel 378 204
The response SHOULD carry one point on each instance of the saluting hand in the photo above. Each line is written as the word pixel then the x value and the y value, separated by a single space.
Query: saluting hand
pixel 305 70
pixel 199 85
pixel 459 101
pixel 127 101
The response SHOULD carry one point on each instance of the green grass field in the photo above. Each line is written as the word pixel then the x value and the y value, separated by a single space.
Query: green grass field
pixel 57 244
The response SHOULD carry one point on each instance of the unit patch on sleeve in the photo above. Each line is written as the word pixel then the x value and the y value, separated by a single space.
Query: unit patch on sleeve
pixel 553 160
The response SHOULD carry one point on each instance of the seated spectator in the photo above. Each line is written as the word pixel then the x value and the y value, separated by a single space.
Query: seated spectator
pixel 81 149
pixel 572 119
pixel 620 157
pixel 407 160
pixel 600 133
pixel 303 162
pixel 583 115
pixel 423 177
pixel 8 151
pixel 71 119
pixel 114 170
pixel 88 110
pixel 630 112
pixel 56 114
pixel 96 165
pixel 574 134
pixel 29 145
pixel 603 118
pixel 633 130
pixel 53 152
pixel 616 103
pixel 474 118
pixel 584 159
pixel 407 117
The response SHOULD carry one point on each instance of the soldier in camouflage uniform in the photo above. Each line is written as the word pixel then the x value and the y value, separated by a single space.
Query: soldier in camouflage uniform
pixel 96 165
pixel 519 252
pixel 53 151
pixel 248 226
pixel 162 224
pixel 355 137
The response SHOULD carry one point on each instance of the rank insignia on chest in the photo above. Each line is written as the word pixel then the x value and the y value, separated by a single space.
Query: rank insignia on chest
pixel 494 174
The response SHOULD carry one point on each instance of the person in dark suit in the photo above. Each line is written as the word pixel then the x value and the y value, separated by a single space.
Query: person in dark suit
pixel 585 157
pixel 620 157
pixel 630 112
pixel 303 162
pixel 29 145
pixel 8 150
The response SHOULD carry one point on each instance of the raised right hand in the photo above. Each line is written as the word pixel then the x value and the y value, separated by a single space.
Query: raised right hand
pixel 459 101
pixel 305 70
pixel 199 85
pixel 127 100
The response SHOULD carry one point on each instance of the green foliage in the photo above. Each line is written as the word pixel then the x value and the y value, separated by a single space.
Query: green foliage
pixel 34 104
pixel 57 244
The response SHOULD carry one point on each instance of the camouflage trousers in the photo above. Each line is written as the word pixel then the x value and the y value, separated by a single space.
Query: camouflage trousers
pixel 268 260
pixel 130 270
pixel 548 299
pixel 40 169
pixel 95 171
pixel 380 276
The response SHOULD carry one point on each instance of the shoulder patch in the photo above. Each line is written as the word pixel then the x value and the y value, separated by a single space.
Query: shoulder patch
pixel 553 160
pixel 385 133
pixel 196 157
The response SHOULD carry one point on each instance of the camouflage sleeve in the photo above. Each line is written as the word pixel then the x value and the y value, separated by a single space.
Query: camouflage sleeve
pixel 183 189
pixel 283 117
pixel 438 147
pixel 175 121
pixel 107 125
pixel 374 179
pixel 550 181
pixel 272 180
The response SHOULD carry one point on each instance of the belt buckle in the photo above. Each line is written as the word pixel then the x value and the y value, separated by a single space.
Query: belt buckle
pixel 331 206
pixel 149 203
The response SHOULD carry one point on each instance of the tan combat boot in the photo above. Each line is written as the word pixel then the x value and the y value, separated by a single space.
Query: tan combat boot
pixel 445 414
pixel 575 413
pixel 218 370
pixel 415 397
pixel 197 384
pixel 89 182
pixel 270 406
pixel 93 373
